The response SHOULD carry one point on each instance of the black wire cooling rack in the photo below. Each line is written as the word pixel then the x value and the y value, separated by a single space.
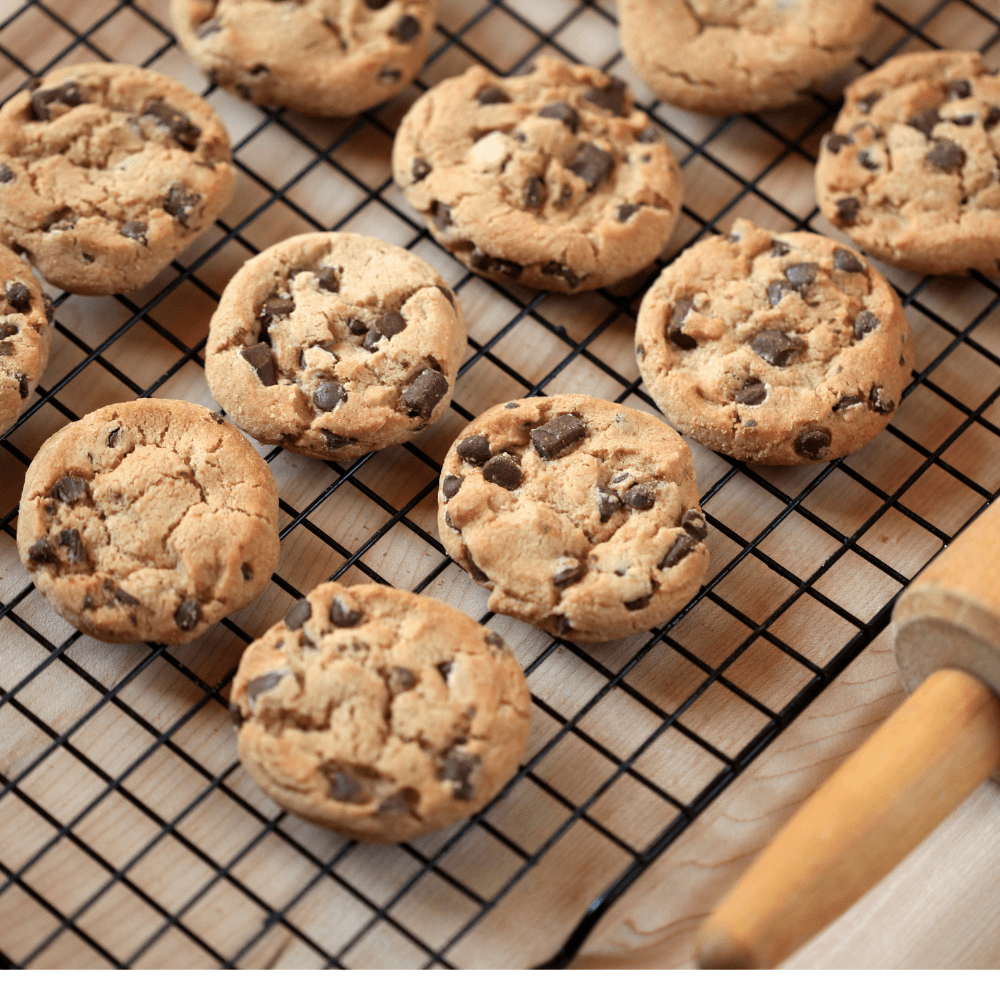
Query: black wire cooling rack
pixel 129 835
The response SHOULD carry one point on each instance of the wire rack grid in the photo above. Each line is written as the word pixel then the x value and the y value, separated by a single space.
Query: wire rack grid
pixel 130 836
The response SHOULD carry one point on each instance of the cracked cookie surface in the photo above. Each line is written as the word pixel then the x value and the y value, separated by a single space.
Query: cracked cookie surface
pixel 911 171
pixel 723 56
pixel 379 713
pixel 334 345
pixel 318 57
pixel 581 516
pixel 107 172
pixel 148 521
pixel 552 178
pixel 25 336
pixel 779 348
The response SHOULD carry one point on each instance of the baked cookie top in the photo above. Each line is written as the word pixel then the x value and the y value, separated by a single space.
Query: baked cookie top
pixel 25 335
pixel 723 56
pixel 148 521
pixel 910 170
pixel 780 348
pixel 580 515
pixel 319 57
pixel 106 172
pixel 333 345
pixel 551 178
pixel 380 713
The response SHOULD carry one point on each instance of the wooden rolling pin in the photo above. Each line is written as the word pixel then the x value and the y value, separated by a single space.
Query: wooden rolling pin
pixel 923 761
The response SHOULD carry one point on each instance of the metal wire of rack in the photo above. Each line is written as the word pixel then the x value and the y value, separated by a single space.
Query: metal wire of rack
pixel 129 836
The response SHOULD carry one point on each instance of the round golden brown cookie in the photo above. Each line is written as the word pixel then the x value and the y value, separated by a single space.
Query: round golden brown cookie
pixel 318 57
pixel 107 172
pixel 552 179
pixel 379 713
pixel 581 516
pixel 148 521
pixel 25 335
pixel 780 348
pixel 334 345
pixel 910 170
pixel 722 56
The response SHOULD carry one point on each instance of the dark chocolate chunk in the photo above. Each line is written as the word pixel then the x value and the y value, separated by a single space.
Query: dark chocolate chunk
pixel 477 574
pixel 835 142
pixel 441 214
pixel 188 615
pixel 59 221
pixel 406 800
pixel 611 96
pixel 124 597
pixel 474 449
pixel 113 435
pixel 639 603
pixel 554 269
pixel 625 212
pixel 492 95
pixel 259 358
pixel 607 503
pixel 866 160
pixel 864 324
pixel 69 94
pixel 357 327
pixel 879 401
pixel 503 470
pixel 510 406
pixel 649 134
pixel 483 262
pixel 23 385
pixel 813 444
pixel 6 174
pixel 457 768
pixel 343 787
pixel 676 324
pixel 328 279
pixel 776 347
pixel 235 715
pixel 802 275
pixel 447 293
pixel 569 575
pixel 136 230
pixel 50 307
pixel 209 27
pixel 445 669
pixel 777 290
pixel 959 89
pixel 334 442
pixel 179 202
pixel 343 616
pixel 694 523
pixel 562 112
pixel 8 330
pixel 494 640
pixel 265 682
pixel 70 489
pixel 992 117
pixel 557 435
pixel 275 308
pixel 925 121
pixel 175 122
pixel 682 545
pixel 329 395
pixel 424 393
pixel 779 249
pixel 847 209
pixel 419 169
pixel 962 120
pixel 946 155
pixel 42 551
pixel 405 29
pixel 844 260
pixel 593 164
pixel 752 394
pixel 247 571
pixel 377 4
pixel 534 192
pixel 450 485
pixel 70 539
pixel 845 402
pixel 869 101
pixel 403 679
pixel 298 614
pixel 19 297
pixel 640 497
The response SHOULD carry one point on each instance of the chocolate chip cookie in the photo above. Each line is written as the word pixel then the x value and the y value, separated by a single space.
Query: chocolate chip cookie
pixel 910 170
pixel 148 521
pixel 780 348
pixel 552 179
pixel 25 335
pixel 581 516
pixel 718 56
pixel 107 172
pixel 381 714
pixel 334 345
pixel 319 57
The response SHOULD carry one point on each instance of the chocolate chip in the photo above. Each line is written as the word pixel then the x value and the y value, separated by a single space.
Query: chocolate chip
pixel 494 640
pixel 6 174
pixel 959 89
pixel 752 394
pixel 59 221
pixel 779 249
pixel 328 278
pixel 813 444
pixel 639 497
pixel 441 214
pixel 557 435
pixel 70 539
pixel 329 395
pixel 510 406
pixel 179 203
pixel 864 324
pixel 69 94
pixel 801 275
pixel 777 290
pixel 593 164
pixel 474 449
pixel 275 308
pixel 482 262
pixel 405 29
pixel 962 120
pixel 419 169
pixel 265 682
pixel 136 230
pixel 8 330
pixel 124 597
pixel 639 603
pixel 343 616
pixel 42 551
pixel 607 503
pixel 445 669
pixel 235 715
pixel 694 523
pixel 553 269
pixel 492 95
pixel 424 393
pixel 298 614
pixel 50 307
pixel 503 470
pixel 649 134
pixel 611 96
pixel 19 297
pixel 562 112
pixel 386 327
pixel 334 442
pixel 357 327
pixel 869 101
pixel 477 574
pixel 992 117
pixel 403 679
pixel 776 347
pixel 676 324
pixel 247 571
pixel 113 436
pixel 260 359
pixel 448 294
pixel 188 615
pixel 209 27
pixel 879 402
pixel 377 4
pixel 534 192
pixel 844 260
pixel 175 122
pixel 569 575
pixel 845 402
pixel 450 485
pixel 625 212
pixel 847 209
pixel 23 385
pixel 457 768
pixel 683 545
pixel 836 142
pixel 343 788
pixel 946 155
pixel 866 160
pixel 70 489
pixel 925 121
pixel 406 800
